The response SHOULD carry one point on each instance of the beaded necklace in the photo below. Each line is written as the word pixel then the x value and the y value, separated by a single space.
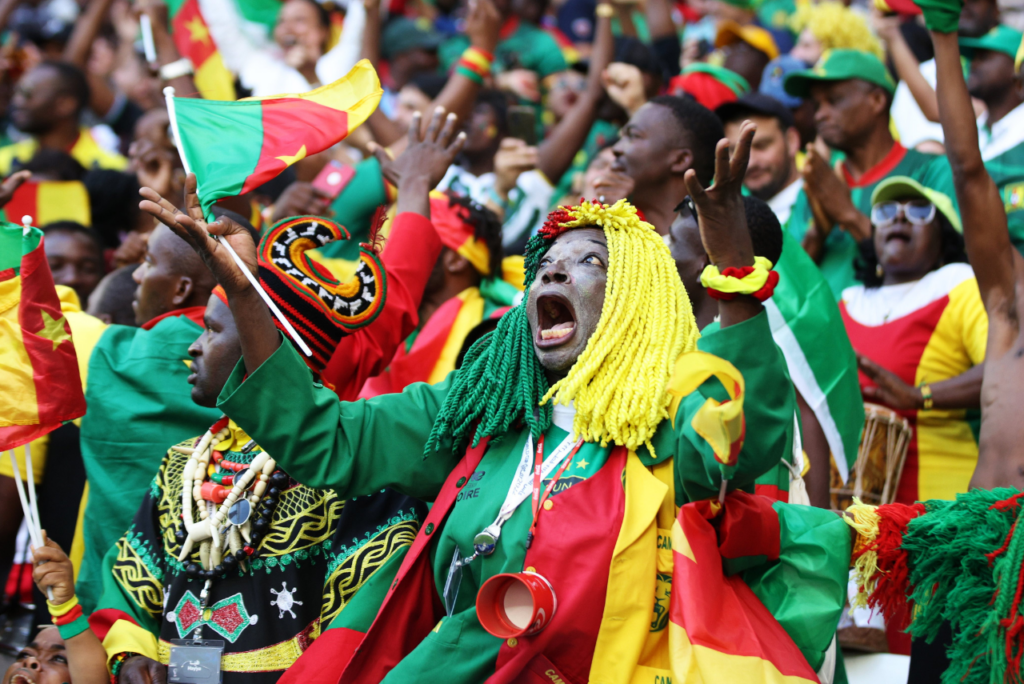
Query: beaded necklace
pixel 228 482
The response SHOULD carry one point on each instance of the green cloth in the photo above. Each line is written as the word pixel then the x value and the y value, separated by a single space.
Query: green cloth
pixel 1000 39
pixel 354 208
pixel 527 47
pixel 840 249
pixel 941 16
pixel 361 447
pixel 840 65
pixel 1007 171
pixel 138 402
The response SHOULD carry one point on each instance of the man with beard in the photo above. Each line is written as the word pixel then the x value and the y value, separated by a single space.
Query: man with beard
pixel 47 104
pixel 593 364
pixel 772 175
pixel 853 91
pixel 995 80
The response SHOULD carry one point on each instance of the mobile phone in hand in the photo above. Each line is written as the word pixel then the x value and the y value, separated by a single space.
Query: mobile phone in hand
pixel 522 124
pixel 333 178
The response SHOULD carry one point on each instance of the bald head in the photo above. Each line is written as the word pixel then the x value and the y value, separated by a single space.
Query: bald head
pixel 171 277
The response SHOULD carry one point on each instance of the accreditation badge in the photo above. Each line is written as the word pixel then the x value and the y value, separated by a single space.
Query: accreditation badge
pixel 195 661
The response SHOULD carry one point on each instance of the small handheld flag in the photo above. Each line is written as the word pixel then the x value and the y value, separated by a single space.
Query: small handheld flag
pixel 38 365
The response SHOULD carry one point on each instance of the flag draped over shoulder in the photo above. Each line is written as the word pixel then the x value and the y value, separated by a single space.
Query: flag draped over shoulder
pixel 808 328
pixel 38 365
pixel 234 147
pixel 192 38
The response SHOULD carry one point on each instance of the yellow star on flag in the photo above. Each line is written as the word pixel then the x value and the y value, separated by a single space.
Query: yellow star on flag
pixel 582 463
pixel 53 330
pixel 289 160
pixel 197 30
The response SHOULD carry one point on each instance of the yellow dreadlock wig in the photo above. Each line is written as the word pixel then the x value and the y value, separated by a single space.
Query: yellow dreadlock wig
pixel 836 27
pixel 619 383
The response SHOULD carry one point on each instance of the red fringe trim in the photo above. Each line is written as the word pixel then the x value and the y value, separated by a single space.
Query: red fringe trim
pixel 890 594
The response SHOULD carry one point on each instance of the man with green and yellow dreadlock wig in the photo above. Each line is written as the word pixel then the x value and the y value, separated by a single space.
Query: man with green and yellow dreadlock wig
pixel 577 464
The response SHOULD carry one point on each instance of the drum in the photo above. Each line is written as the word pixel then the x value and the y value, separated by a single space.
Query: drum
pixel 883 451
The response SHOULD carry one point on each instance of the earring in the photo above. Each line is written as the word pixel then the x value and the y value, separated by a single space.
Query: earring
pixel 878 270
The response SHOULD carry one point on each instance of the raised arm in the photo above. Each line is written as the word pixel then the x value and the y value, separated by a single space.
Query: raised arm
pixel 723 220
pixel 907 66
pixel 556 153
pixel 991 253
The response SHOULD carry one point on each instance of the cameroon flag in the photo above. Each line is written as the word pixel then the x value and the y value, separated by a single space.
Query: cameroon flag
pixel 235 147
pixel 193 40
pixel 50 201
pixel 38 366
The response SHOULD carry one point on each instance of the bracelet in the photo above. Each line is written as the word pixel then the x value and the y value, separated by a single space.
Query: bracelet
pixel 57 611
pixel 117 662
pixel 176 69
pixel 605 10
pixel 475 64
pixel 757 280
pixel 69 630
pixel 68 617
pixel 926 394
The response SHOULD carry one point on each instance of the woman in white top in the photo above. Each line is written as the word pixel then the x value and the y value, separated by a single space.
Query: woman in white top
pixel 293 59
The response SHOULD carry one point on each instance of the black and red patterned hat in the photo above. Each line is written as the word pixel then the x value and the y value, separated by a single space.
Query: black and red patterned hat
pixel 320 307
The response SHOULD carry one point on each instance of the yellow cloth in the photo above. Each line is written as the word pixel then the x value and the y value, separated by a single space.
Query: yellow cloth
pixel 86 152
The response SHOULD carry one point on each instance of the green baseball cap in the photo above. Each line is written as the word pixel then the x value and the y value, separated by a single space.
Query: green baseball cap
pixel 403 34
pixel 1000 39
pixel 900 187
pixel 840 65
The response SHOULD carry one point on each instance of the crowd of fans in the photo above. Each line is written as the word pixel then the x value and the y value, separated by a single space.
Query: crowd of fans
pixel 849 192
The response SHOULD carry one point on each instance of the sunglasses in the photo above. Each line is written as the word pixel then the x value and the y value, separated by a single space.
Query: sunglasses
pixel 918 212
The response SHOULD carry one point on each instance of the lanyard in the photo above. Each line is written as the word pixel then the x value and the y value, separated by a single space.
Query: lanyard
pixel 538 499
pixel 485 541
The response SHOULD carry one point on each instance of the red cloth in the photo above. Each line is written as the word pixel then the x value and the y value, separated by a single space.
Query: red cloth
pixel 192 313
pixel 413 248
pixel 704 88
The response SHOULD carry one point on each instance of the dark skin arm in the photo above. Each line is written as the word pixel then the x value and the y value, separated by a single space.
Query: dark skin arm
pixel 833 197
pixel 417 171
pixel 483 23
pixel 985 232
pixel 556 153
pixel 87 659
pixel 723 220
pixel 816 447
pixel 960 392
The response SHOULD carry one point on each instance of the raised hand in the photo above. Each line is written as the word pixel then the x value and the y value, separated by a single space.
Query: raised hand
pixel 53 571
pixel 483 24
pixel 828 189
pixel 300 199
pixel 890 389
pixel 514 157
pixel 720 213
pixel 625 85
pixel 193 229
pixel 424 162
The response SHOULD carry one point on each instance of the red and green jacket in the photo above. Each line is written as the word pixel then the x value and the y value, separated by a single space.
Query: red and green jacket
pixel 607 544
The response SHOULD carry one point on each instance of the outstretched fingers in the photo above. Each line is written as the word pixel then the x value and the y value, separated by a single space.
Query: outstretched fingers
pixel 693 185
pixel 450 123
pixel 435 125
pixel 741 155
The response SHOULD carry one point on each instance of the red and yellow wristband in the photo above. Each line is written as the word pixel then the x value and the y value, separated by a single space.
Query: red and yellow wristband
pixel 758 280
pixel 475 64
pixel 68 618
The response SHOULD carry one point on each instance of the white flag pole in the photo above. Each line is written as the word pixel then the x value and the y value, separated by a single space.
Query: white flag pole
pixel 169 96
pixel 148 46
pixel 34 530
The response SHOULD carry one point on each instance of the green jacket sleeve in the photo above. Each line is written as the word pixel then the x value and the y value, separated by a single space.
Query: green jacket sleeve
pixel 768 408
pixel 355 448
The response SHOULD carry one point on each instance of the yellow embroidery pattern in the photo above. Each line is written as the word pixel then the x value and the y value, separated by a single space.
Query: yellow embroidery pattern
pixel 274 658
pixel 354 571
pixel 303 518
pixel 137 581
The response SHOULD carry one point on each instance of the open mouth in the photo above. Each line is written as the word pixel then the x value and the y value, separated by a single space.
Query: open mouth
pixel 897 235
pixel 556 321
pixel 21 678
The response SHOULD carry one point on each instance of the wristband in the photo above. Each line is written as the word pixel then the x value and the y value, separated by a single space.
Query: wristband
pixel 62 609
pixel 475 64
pixel 68 617
pixel 72 629
pixel 117 662
pixel 926 394
pixel 605 10
pixel 173 70
pixel 757 280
